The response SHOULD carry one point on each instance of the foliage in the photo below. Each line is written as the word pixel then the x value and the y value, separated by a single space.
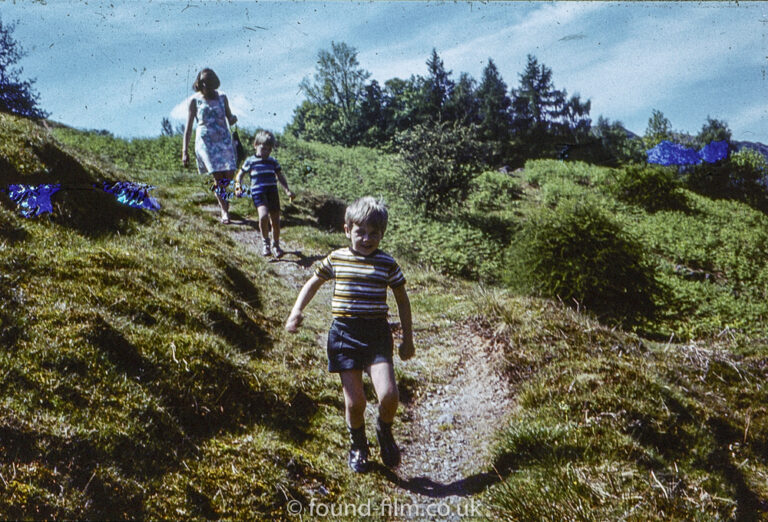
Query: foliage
pixel 741 177
pixel 652 188
pixel 439 164
pixel 713 130
pixel 333 96
pixel 543 115
pixel 618 146
pixel 438 88
pixel 17 96
pixel 659 129
pixel 577 252
pixel 494 114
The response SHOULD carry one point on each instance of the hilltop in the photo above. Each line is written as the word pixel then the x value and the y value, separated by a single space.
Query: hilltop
pixel 147 373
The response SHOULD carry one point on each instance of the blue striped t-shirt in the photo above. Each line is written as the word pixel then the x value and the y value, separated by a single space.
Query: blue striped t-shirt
pixel 263 172
pixel 360 282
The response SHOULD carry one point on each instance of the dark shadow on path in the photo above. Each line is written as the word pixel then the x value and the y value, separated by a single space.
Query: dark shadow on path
pixel 298 258
pixel 427 487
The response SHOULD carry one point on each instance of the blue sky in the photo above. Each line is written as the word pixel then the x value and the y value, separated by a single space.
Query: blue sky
pixel 124 65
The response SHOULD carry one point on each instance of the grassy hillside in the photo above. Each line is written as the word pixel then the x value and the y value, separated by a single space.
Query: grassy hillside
pixel 146 372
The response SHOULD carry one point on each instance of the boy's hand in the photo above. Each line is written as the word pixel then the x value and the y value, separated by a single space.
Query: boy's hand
pixel 294 321
pixel 290 194
pixel 406 350
pixel 238 190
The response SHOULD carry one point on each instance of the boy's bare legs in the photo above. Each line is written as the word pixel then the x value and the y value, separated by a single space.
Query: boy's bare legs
pixel 264 229
pixel 354 397
pixel 383 377
pixel 274 218
pixel 354 400
pixel 263 222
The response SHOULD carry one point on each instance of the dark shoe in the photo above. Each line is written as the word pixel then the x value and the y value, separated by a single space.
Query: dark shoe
pixel 358 460
pixel 358 452
pixel 390 453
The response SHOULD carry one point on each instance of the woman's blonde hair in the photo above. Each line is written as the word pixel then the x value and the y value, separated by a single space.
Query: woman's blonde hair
pixel 367 211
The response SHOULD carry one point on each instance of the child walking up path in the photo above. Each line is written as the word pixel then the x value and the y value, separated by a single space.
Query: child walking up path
pixel 360 338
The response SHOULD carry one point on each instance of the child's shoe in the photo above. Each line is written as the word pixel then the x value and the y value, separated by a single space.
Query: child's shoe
pixel 390 453
pixel 358 452
pixel 265 251
pixel 277 250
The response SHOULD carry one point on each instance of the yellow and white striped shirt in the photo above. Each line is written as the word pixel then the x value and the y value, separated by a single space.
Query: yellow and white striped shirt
pixel 360 286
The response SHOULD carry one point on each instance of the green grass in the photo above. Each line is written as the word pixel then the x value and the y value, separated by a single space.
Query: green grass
pixel 611 426
pixel 146 372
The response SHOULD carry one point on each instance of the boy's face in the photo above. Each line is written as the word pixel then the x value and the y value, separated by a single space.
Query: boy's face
pixel 263 150
pixel 365 238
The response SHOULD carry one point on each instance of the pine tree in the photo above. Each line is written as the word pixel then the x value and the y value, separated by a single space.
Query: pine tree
pixel 494 112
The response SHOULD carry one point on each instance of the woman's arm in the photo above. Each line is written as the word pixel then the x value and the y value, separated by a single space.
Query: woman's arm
pixel 231 118
pixel 191 113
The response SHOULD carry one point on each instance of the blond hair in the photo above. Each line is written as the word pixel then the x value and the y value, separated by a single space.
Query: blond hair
pixel 264 137
pixel 367 211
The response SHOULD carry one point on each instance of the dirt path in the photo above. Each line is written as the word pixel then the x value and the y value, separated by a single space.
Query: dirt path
pixel 444 431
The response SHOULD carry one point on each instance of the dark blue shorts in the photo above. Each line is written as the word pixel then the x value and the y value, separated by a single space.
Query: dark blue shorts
pixel 355 343
pixel 267 197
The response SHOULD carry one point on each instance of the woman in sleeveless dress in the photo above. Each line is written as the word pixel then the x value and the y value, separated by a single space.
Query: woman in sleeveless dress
pixel 214 149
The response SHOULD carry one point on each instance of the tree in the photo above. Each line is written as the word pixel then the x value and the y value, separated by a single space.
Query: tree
pixel 617 143
pixel 544 117
pixel 402 103
pixel 658 130
pixel 713 130
pixel 462 105
pixel 16 95
pixel 166 128
pixel 495 124
pixel 536 103
pixel 336 91
pixel 371 119
pixel 437 88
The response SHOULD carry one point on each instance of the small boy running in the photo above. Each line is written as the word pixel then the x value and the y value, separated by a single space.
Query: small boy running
pixel 265 172
pixel 360 337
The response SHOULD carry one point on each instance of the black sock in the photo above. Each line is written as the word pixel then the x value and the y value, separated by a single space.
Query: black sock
pixel 357 437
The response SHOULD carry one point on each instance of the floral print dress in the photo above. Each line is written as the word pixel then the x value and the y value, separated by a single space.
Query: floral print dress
pixel 213 142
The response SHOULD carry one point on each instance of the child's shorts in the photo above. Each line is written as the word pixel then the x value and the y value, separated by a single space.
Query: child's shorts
pixel 356 343
pixel 267 197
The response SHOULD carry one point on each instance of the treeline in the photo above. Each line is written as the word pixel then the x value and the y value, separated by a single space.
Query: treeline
pixel 448 130
pixel 343 107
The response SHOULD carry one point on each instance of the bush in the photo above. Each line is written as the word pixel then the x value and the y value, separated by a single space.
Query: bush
pixel 652 188
pixel 493 191
pixel 440 162
pixel 577 252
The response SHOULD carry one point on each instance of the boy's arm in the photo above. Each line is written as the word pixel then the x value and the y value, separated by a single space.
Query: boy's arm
pixel 238 178
pixel 406 348
pixel 306 294
pixel 284 183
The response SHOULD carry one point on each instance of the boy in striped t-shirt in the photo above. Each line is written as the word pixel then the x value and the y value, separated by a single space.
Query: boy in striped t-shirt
pixel 360 338
pixel 265 173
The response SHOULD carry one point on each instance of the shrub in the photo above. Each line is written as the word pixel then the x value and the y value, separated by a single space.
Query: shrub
pixel 493 191
pixel 577 252
pixel 652 188
pixel 440 162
